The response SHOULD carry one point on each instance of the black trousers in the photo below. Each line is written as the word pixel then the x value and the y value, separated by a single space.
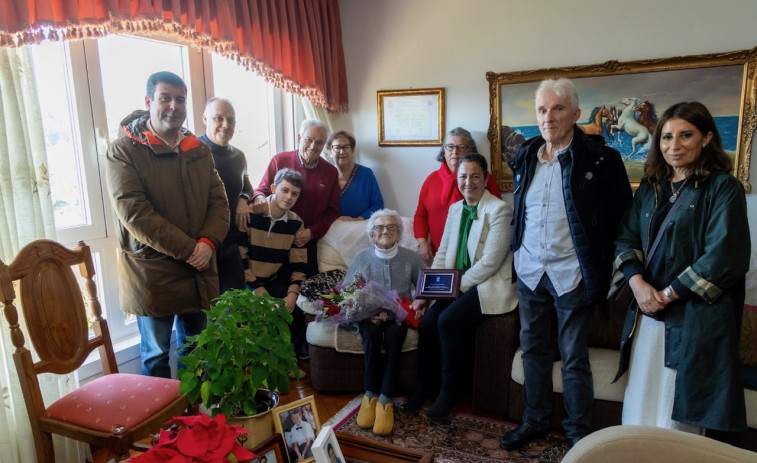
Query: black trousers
pixel 382 374
pixel 230 266
pixel 442 336
pixel 279 288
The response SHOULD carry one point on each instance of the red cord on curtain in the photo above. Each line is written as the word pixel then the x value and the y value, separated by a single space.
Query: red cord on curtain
pixel 295 44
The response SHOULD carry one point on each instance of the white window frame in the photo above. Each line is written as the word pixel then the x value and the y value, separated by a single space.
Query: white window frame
pixel 92 134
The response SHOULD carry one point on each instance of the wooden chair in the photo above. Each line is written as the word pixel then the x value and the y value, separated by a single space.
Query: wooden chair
pixel 111 412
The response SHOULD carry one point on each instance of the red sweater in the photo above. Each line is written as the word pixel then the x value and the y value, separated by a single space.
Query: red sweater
pixel 318 204
pixel 438 193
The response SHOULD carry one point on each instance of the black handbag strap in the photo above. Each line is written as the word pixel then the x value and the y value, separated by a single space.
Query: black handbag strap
pixel 677 204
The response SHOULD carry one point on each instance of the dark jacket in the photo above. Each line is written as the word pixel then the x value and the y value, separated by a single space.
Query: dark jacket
pixel 596 191
pixel 164 202
pixel 707 252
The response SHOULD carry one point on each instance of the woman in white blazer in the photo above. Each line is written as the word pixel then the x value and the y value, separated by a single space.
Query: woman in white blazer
pixel 479 227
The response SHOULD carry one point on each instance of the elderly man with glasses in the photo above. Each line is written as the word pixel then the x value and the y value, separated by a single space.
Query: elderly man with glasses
pixel 439 192
pixel 318 205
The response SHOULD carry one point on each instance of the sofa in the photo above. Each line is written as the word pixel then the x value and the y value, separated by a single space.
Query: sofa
pixel 500 392
pixel 336 354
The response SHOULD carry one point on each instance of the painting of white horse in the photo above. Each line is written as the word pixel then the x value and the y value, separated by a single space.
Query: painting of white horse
pixel 627 122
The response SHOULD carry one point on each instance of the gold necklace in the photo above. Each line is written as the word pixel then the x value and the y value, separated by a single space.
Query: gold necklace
pixel 674 196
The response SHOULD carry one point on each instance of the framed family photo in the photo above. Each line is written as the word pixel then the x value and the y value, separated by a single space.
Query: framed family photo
pixel 298 424
pixel 326 448
pixel 621 102
pixel 271 450
pixel 411 117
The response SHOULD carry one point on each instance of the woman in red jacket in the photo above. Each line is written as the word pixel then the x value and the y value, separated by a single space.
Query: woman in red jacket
pixel 439 192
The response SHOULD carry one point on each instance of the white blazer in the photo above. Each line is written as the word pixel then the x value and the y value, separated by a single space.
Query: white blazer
pixel 489 251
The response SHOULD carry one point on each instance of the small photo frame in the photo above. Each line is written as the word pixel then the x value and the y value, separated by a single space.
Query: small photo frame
pixel 412 117
pixel 298 424
pixel 271 450
pixel 438 284
pixel 326 448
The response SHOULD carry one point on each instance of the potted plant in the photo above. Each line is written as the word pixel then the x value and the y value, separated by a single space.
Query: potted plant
pixel 242 357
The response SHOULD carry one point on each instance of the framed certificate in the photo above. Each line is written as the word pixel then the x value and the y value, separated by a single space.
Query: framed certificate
pixel 437 284
pixel 412 117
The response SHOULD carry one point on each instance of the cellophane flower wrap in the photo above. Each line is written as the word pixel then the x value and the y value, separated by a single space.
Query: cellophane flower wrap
pixel 357 300
pixel 199 439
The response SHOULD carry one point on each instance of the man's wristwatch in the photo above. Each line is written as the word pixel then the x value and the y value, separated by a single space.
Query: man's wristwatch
pixel 668 292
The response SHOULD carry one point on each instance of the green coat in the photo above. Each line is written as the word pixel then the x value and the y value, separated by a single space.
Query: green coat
pixel 164 202
pixel 707 252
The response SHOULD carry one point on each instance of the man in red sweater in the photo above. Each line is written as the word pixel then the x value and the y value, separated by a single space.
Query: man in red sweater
pixel 318 205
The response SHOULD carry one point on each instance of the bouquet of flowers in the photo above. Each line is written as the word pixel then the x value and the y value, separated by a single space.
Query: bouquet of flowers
pixel 350 302
pixel 199 439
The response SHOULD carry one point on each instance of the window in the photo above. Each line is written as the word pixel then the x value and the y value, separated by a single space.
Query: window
pixel 97 83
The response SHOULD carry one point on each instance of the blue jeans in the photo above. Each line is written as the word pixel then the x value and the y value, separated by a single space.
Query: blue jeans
pixel 156 340
pixel 537 309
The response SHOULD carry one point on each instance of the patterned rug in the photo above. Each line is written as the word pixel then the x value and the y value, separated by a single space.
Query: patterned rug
pixel 461 438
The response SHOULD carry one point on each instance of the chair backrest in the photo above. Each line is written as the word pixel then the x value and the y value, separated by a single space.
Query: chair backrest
pixel 55 313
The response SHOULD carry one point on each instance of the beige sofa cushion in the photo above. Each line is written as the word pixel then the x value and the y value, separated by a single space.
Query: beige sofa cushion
pixel 604 366
pixel 344 340
pixel 344 239
pixel 750 397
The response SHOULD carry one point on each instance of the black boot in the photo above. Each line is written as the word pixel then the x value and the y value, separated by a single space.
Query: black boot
pixel 417 401
pixel 442 406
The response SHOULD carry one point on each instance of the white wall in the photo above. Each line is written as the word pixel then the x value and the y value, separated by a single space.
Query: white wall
pixel 401 44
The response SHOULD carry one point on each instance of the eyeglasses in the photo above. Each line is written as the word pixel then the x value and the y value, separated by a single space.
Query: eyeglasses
pixel 451 147
pixel 345 148
pixel 381 228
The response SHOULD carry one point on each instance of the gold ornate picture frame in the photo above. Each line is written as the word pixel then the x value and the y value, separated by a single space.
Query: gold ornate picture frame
pixel 621 101
pixel 411 117
pixel 306 425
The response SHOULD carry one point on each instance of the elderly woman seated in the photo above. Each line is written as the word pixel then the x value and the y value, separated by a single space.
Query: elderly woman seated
pixel 395 267
pixel 475 242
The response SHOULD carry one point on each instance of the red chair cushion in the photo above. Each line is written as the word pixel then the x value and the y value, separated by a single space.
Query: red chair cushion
pixel 113 401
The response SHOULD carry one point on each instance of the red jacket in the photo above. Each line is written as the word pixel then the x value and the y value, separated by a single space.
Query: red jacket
pixel 438 193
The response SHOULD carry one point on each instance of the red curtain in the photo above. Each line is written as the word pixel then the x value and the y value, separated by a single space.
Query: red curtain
pixel 295 44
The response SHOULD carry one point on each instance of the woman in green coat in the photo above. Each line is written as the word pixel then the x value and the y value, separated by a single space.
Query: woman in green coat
pixel 680 341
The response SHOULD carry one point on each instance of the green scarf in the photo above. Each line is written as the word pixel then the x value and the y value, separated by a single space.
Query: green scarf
pixel 462 261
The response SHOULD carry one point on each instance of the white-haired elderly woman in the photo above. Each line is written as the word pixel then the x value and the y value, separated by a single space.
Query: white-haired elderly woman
pixel 395 267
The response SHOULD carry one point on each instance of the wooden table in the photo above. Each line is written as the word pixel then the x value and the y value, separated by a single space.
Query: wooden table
pixel 360 450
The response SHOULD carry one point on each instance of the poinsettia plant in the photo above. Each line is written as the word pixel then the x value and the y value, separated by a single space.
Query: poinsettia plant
pixel 198 439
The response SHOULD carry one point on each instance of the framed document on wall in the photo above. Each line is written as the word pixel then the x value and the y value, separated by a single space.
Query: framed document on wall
pixel 411 117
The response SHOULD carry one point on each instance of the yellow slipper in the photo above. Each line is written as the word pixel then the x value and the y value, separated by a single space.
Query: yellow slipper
pixel 367 414
pixel 384 419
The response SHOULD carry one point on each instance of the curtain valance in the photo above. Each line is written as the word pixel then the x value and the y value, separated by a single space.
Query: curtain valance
pixel 294 44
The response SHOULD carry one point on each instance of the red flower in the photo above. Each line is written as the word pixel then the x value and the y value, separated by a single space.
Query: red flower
pixel 201 439
pixel 331 308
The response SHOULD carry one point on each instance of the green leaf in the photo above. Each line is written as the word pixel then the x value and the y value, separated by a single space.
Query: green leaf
pixel 205 392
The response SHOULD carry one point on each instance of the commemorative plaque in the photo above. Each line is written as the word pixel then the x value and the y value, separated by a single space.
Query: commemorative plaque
pixel 437 284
